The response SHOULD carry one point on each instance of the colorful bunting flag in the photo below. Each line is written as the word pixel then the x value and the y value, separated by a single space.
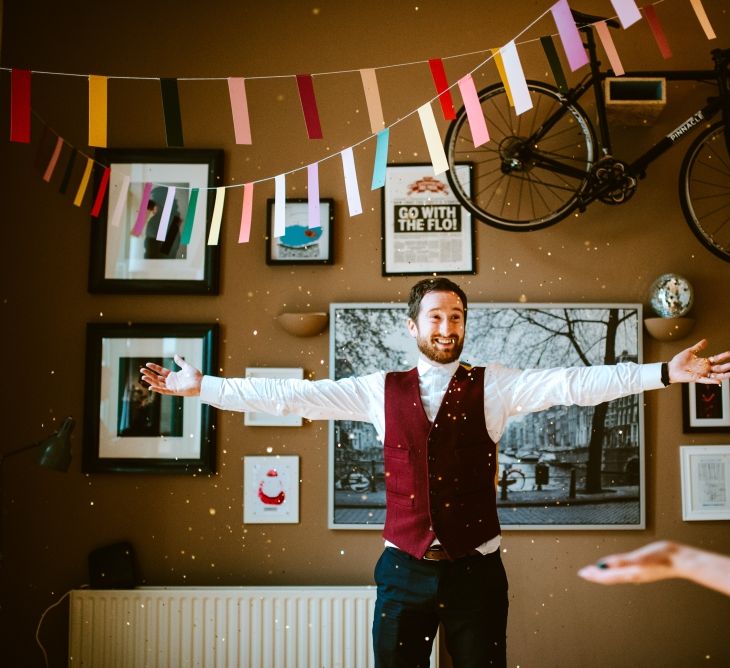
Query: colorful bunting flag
pixel 246 210
pixel 190 217
pixel 702 18
pixel 497 57
pixel 313 195
pixel 442 88
pixel 165 215
pixel 433 139
pixel 142 213
pixel 551 53
pixel 54 159
pixel 68 171
pixel 372 99
pixel 474 113
pixel 351 188
pixel 83 185
pixel 381 159
pixel 279 205
pixel 171 111
pixel 516 77
pixel 604 34
pixel 305 84
pixel 98 110
pixel 100 192
pixel 121 200
pixel 627 11
pixel 657 31
pixel 20 106
pixel 215 223
pixel 239 109
pixel 569 35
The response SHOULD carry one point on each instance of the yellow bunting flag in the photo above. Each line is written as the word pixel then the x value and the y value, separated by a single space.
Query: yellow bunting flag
pixel 98 111
pixel 215 223
pixel 433 139
pixel 83 185
pixel 497 56
pixel 702 18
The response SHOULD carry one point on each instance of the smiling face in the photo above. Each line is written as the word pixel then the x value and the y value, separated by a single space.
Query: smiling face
pixel 439 327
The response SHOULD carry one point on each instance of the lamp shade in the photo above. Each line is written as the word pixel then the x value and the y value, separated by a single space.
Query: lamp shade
pixel 56 449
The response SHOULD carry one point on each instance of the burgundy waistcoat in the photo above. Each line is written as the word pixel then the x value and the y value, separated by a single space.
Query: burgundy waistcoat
pixel 440 478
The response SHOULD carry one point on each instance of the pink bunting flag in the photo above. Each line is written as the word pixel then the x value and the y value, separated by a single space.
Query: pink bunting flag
pixel 101 192
pixel 116 215
pixel 442 88
pixel 604 34
pixel 54 160
pixel 702 18
pixel 627 11
pixel 245 234
pixel 569 35
pixel 165 215
pixel 20 106
pixel 279 205
pixel 305 84
pixel 142 213
pixel 516 78
pixel 313 195
pixel 474 113
pixel 656 29
pixel 372 99
pixel 239 110
pixel 351 188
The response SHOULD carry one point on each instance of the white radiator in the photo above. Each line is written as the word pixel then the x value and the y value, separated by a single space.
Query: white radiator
pixel 222 627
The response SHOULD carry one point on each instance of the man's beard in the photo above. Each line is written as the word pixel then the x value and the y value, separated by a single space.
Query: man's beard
pixel 430 351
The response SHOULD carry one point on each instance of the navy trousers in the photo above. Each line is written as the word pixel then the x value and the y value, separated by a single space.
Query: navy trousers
pixel 467 596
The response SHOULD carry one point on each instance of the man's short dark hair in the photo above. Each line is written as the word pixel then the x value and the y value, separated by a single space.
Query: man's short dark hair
pixel 434 284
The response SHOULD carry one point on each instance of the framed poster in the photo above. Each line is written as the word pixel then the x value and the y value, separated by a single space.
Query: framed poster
pixel 705 482
pixel 706 408
pixel 151 235
pixel 425 228
pixel 128 428
pixel 567 467
pixel 254 419
pixel 270 490
pixel 301 244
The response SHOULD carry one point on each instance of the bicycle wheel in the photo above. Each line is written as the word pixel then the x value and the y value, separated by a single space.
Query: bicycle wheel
pixel 704 190
pixel 533 169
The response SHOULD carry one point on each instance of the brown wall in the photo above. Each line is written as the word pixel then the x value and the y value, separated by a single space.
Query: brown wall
pixel 609 254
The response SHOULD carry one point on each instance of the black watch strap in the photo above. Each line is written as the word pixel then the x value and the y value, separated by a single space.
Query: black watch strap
pixel 665 374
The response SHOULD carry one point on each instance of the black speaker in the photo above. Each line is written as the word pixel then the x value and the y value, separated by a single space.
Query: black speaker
pixel 113 567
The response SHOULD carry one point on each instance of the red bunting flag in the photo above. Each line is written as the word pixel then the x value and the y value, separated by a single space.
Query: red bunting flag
pixel 656 29
pixel 442 88
pixel 305 84
pixel 101 192
pixel 20 106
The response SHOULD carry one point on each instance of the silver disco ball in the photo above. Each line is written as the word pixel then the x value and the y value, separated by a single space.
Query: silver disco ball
pixel 671 296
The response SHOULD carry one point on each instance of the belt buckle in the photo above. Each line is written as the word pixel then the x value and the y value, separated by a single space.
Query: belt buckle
pixel 434 551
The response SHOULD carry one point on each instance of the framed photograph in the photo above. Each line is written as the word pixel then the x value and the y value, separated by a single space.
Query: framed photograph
pixel 706 408
pixel 301 244
pixel 151 235
pixel 567 467
pixel 705 482
pixel 128 428
pixel 425 228
pixel 254 419
pixel 270 490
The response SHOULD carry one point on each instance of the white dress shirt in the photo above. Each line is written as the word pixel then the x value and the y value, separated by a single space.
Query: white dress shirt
pixel 507 392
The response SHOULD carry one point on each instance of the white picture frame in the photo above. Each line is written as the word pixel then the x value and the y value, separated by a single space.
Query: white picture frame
pixel 256 419
pixel 271 489
pixel 705 474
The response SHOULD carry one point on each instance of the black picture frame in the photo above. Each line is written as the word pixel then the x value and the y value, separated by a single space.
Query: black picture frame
pixel 126 263
pixel 127 428
pixel 300 249
pixel 706 408
pixel 444 243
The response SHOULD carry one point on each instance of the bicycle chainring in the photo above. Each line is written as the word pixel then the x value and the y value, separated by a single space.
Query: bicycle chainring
pixel 612 183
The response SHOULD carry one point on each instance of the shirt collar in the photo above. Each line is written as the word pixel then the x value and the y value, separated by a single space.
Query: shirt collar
pixel 427 368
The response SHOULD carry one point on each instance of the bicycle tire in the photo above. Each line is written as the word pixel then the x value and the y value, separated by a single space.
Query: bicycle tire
pixel 704 189
pixel 533 197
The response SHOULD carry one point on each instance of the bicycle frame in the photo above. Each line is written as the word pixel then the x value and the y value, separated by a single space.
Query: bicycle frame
pixel 594 81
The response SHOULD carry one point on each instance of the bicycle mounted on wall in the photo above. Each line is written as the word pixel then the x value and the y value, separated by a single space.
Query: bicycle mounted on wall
pixel 548 162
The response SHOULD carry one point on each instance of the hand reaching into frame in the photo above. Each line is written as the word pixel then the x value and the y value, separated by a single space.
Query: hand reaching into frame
pixel 183 383
pixel 688 367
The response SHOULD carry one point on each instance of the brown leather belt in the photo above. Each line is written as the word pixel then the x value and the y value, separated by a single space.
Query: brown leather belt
pixel 436 553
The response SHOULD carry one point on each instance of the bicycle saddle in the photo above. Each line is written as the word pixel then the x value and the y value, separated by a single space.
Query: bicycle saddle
pixel 583 19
